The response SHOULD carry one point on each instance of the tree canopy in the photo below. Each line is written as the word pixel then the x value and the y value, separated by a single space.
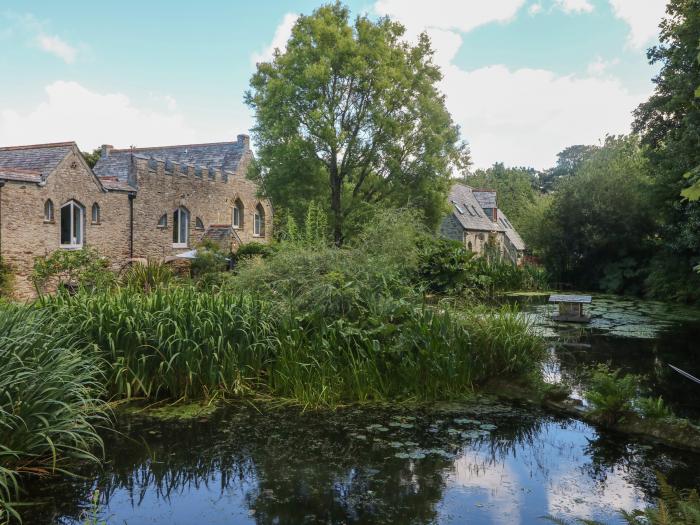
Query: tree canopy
pixel 350 114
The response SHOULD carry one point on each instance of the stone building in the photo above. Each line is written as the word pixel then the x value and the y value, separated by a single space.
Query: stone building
pixel 136 203
pixel 476 221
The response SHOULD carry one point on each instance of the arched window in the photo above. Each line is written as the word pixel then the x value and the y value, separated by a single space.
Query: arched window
pixel 72 218
pixel 48 211
pixel 163 221
pixel 96 213
pixel 469 246
pixel 259 223
pixel 237 214
pixel 181 227
pixel 198 224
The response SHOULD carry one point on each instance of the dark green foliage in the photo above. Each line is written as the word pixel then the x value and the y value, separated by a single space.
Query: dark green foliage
pixel 351 115
pixel 6 278
pixel 72 269
pixel 569 160
pixel 612 394
pixel 147 277
pixel 251 249
pixel 444 265
pixel 91 158
pixel 50 403
pixel 517 188
pixel 669 123
pixel 597 232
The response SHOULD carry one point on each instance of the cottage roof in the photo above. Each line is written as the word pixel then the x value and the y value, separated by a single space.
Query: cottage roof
pixel 221 156
pixel 32 163
pixel 485 198
pixel 513 236
pixel 468 211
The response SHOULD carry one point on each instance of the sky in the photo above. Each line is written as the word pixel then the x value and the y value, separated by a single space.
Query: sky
pixel 522 78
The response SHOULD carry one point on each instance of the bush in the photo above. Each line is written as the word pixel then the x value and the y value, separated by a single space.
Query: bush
pixel 72 269
pixel 6 279
pixel 50 403
pixel 445 265
pixel 611 394
pixel 147 277
pixel 251 249
pixel 653 408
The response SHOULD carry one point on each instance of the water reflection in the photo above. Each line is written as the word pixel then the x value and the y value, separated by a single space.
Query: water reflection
pixel 483 462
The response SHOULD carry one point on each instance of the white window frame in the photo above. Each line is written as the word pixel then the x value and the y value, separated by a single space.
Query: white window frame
pixel 178 215
pixel 95 213
pixel 49 214
pixel 258 223
pixel 76 241
pixel 236 217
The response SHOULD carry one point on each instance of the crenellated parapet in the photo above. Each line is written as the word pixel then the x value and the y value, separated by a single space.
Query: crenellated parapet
pixel 149 165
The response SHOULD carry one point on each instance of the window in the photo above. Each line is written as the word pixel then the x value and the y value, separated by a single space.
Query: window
pixel 469 246
pixel 72 215
pixel 48 211
pixel 460 210
pixel 163 221
pixel 198 224
pixel 181 226
pixel 259 223
pixel 237 214
pixel 96 213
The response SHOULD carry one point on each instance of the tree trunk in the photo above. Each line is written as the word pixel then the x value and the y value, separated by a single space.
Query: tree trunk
pixel 336 209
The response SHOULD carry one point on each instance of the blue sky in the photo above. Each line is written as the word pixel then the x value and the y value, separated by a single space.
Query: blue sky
pixel 523 78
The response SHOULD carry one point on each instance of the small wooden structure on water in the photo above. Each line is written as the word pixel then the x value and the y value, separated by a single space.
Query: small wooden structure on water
pixel 571 308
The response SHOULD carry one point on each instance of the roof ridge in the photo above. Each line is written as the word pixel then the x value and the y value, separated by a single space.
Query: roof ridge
pixel 122 150
pixel 20 170
pixel 34 146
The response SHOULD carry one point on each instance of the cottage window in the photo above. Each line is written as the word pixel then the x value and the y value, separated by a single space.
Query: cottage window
pixel 163 221
pixel 96 213
pixel 48 211
pixel 237 214
pixel 259 222
pixel 181 226
pixel 72 217
pixel 198 224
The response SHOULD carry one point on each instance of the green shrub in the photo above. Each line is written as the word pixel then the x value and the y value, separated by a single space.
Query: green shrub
pixel 251 249
pixel 445 265
pixel 6 279
pixel 50 404
pixel 611 394
pixel 72 269
pixel 147 277
pixel 653 408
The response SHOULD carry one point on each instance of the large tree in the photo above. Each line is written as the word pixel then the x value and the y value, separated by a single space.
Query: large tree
pixel 669 123
pixel 357 106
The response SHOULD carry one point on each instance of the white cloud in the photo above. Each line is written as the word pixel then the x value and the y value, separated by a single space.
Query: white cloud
pixel 70 111
pixel 534 9
pixel 526 116
pixel 279 40
pixel 449 14
pixel 575 6
pixel 600 66
pixel 517 116
pixel 58 47
pixel 642 17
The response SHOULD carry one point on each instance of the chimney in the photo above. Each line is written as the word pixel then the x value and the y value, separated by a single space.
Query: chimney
pixel 244 140
pixel 106 148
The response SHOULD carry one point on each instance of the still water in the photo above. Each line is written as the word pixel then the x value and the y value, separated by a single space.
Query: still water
pixel 481 462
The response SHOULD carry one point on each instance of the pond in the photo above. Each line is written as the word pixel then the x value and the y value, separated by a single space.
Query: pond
pixel 640 337
pixel 480 462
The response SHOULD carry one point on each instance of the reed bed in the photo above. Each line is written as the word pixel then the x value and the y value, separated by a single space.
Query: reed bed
pixel 50 400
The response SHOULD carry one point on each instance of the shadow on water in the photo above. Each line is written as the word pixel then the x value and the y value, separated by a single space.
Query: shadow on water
pixel 482 462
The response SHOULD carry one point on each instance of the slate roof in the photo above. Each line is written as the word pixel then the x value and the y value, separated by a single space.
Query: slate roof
pixel 486 198
pixel 468 211
pixel 513 236
pixel 32 163
pixel 222 156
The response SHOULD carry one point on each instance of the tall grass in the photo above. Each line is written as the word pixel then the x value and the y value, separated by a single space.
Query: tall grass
pixel 50 404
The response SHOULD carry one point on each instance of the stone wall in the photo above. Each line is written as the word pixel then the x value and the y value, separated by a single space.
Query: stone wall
pixel 211 200
pixel 25 234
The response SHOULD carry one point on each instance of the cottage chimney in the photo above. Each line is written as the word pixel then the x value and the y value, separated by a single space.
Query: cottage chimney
pixel 244 141
pixel 106 148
